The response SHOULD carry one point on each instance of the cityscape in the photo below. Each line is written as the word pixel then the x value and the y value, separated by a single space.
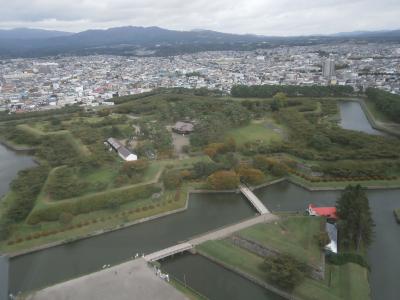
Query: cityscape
pixel 28 84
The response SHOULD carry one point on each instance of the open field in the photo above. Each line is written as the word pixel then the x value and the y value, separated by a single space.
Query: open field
pixel 294 236
pixel 265 131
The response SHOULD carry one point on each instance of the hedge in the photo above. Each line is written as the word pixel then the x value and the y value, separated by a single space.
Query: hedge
pixel 86 204
pixel 347 257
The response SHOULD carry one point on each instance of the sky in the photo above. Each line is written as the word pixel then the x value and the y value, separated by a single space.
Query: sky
pixel 265 17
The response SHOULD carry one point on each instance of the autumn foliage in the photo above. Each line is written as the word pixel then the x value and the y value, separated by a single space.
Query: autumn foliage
pixel 223 180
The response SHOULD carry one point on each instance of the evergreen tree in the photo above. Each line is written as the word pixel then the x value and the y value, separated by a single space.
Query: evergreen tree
pixel 355 219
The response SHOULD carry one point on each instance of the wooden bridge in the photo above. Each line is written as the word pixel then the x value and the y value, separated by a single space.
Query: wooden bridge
pixel 258 205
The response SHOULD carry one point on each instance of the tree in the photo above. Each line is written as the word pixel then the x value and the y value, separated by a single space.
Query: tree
pixel 172 179
pixel 250 175
pixel 278 101
pixel 133 168
pixel 355 218
pixel 223 180
pixel 284 271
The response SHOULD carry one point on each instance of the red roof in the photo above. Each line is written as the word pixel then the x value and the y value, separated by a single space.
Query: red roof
pixel 328 212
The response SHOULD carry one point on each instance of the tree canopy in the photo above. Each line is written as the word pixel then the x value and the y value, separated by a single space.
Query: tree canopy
pixel 355 218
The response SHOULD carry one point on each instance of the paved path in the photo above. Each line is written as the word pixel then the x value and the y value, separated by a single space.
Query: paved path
pixel 258 205
pixel 226 231
pixel 127 281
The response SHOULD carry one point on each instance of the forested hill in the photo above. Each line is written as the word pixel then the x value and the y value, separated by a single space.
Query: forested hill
pixel 156 41
pixel 268 91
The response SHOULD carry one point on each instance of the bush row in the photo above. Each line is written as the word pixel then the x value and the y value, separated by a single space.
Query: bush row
pixel 91 203
pixel 336 179
pixel 347 257
pixel 41 234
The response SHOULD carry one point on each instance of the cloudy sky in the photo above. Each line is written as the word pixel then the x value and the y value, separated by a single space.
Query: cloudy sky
pixel 267 17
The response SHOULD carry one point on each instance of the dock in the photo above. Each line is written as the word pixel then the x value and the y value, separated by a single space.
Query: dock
pixel 258 205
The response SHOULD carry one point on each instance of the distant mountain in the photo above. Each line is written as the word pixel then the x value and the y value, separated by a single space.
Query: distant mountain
pixel 29 33
pixel 131 40
pixel 363 34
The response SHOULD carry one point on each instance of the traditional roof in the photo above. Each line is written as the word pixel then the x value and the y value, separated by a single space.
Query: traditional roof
pixel 183 127
pixel 114 143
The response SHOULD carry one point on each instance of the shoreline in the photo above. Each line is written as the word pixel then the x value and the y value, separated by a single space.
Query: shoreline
pixel 19 149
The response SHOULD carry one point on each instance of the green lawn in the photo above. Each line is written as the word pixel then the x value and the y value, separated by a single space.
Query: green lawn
pixel 256 132
pixel 348 282
pixel 294 236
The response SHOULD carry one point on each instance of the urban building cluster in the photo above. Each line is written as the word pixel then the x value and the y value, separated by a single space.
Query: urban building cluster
pixel 43 83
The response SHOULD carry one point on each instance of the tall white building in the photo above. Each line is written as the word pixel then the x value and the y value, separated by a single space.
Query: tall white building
pixel 328 68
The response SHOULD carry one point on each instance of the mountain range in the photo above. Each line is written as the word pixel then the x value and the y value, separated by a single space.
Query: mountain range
pixel 24 42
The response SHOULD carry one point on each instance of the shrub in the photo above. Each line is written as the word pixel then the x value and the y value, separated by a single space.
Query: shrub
pixel 284 271
pixel 172 179
pixel 65 218
pixel 91 203
pixel 347 257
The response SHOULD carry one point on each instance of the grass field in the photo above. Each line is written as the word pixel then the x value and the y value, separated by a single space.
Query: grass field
pixel 294 236
pixel 348 282
pixel 265 132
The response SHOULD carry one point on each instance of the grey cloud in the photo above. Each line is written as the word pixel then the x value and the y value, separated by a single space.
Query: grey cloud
pixel 269 17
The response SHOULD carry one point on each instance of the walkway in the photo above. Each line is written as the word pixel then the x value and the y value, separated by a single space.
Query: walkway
pixel 168 252
pixel 213 235
pixel 258 205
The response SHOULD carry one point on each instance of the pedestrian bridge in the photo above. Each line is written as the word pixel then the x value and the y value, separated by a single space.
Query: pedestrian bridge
pixel 212 235
pixel 168 252
pixel 258 205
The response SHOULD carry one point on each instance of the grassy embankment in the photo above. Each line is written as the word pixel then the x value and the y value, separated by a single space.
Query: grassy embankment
pixel 186 290
pixel 348 281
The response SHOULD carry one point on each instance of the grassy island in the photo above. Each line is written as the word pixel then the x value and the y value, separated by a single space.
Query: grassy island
pixel 296 237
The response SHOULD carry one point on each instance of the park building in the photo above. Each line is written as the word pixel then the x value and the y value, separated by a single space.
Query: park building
pixel 122 151
pixel 183 127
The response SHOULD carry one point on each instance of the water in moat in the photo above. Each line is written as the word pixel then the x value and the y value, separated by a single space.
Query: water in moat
pixel 354 118
pixel 10 164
